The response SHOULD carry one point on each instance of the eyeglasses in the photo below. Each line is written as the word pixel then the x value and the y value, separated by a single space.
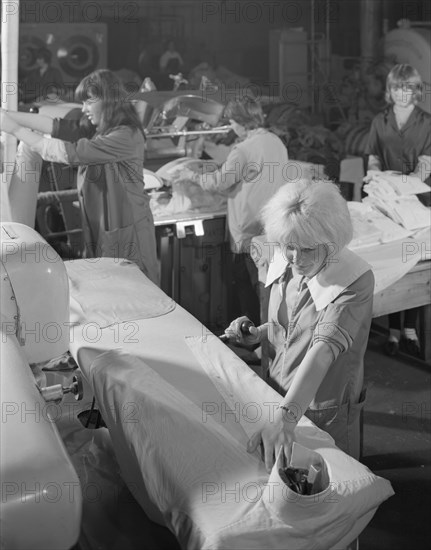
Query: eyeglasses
pixel 405 87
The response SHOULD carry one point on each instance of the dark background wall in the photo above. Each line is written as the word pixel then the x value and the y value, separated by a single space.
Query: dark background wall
pixel 233 33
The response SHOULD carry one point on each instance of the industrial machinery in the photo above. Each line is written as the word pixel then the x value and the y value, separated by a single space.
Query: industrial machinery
pixel 77 48
pixel 41 494
pixel 177 123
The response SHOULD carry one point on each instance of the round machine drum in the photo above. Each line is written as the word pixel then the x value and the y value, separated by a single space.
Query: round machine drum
pixel 78 56
pixel 28 47
pixel 77 49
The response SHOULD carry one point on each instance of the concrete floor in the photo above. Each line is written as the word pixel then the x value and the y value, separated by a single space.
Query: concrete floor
pixel 397 446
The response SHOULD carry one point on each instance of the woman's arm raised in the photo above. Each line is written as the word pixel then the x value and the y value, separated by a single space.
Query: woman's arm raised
pixel 38 123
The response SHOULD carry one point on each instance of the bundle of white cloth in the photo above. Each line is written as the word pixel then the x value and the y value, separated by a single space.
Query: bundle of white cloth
pixel 394 195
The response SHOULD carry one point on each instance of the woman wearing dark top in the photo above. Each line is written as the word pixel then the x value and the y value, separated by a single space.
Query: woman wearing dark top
pixel 44 81
pixel 116 217
pixel 400 140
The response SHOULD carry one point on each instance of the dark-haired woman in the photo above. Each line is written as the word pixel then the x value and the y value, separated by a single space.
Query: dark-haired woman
pixel 116 217
pixel 254 170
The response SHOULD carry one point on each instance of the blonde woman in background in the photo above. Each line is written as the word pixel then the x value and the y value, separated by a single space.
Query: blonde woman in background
pixel 400 140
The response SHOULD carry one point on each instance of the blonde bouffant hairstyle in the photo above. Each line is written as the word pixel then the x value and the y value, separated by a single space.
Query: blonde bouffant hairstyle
pixel 305 214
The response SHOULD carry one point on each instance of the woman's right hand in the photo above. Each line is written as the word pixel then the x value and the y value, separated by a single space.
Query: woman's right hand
pixel 279 432
pixel 243 332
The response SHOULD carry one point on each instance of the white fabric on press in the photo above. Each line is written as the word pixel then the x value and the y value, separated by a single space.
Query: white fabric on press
pixel 391 261
pixel 186 463
pixel 372 227
pixel 106 291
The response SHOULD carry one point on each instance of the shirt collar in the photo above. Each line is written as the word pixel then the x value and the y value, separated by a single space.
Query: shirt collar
pixel 256 131
pixel 411 119
pixel 331 281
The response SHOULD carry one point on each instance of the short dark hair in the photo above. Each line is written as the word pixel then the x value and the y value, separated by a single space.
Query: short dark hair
pixel 247 112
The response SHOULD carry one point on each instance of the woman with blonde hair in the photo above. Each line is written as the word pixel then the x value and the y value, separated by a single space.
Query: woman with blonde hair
pixel 319 317
pixel 400 141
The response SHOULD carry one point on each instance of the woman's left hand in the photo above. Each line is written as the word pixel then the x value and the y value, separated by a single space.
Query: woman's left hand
pixel 7 124
pixel 276 434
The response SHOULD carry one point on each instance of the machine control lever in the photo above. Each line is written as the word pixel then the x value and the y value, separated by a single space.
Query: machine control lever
pixel 244 328
pixel 57 391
